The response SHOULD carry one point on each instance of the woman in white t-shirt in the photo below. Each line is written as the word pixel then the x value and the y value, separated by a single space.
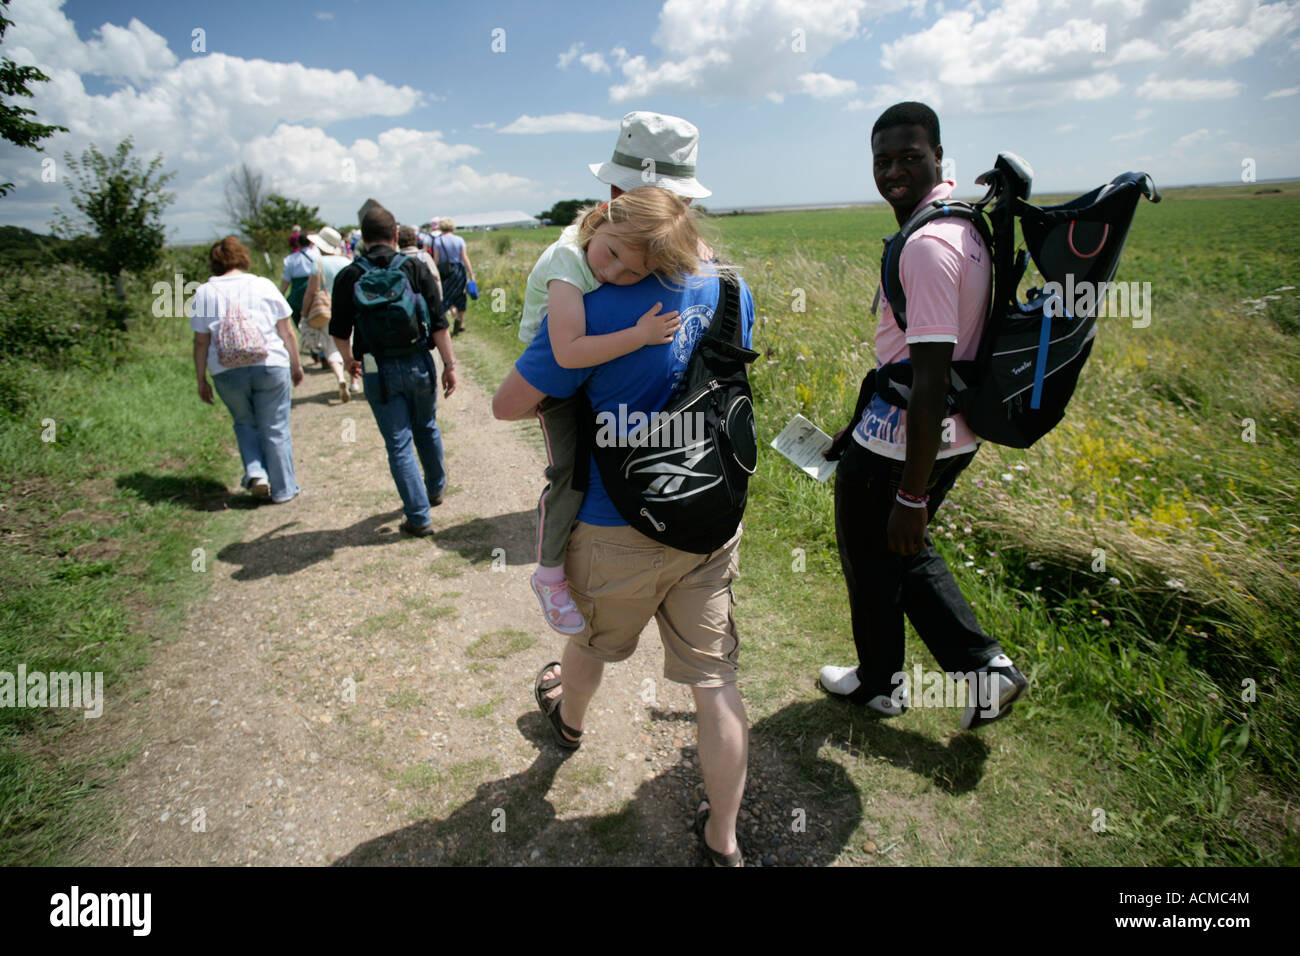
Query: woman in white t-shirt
pixel 257 395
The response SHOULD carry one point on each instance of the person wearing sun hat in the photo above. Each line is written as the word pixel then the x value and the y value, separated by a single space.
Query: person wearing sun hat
pixel 653 149
pixel 332 261
pixel 690 596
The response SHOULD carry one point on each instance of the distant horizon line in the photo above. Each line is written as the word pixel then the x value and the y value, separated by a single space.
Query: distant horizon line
pixel 853 203
pixel 723 210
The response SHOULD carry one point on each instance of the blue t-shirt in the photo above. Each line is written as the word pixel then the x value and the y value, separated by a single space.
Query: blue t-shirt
pixel 642 380
pixel 298 265
pixel 449 246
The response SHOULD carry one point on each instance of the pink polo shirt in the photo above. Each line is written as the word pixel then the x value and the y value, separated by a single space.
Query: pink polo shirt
pixel 946 271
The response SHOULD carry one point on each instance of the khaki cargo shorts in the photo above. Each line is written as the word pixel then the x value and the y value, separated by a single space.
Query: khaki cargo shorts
pixel 620 579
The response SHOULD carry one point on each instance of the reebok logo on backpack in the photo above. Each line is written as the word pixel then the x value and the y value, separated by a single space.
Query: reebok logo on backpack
pixel 393 319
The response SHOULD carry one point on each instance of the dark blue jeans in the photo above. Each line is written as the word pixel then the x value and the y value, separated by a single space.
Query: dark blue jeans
pixel 407 422
pixel 884 586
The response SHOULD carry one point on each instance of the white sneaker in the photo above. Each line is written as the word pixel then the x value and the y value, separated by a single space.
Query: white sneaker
pixel 843 682
pixel 260 488
pixel 840 680
pixel 1010 684
pixel 889 706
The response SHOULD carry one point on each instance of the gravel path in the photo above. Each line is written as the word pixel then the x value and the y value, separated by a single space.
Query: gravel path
pixel 348 695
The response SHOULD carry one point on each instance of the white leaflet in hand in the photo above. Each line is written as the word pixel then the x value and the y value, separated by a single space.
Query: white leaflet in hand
pixel 804 443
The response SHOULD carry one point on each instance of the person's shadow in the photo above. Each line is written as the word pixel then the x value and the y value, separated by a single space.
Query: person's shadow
pixel 478 539
pixel 278 553
pixel 200 492
pixel 503 818
pixel 955 768
pixel 800 805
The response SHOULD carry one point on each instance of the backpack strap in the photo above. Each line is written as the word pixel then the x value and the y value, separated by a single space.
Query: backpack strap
pixel 890 261
pixel 726 332
pixel 584 415
pixel 728 309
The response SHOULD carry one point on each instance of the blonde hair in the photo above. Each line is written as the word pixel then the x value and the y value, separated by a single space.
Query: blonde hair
pixel 654 221
pixel 447 224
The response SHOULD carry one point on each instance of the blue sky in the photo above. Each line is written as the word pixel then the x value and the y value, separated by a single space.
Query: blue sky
pixel 416 103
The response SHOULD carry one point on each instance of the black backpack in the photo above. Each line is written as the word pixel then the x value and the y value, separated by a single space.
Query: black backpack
pixel 683 479
pixel 1017 387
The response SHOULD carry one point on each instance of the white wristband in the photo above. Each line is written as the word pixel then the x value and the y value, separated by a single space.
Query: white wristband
pixel 910 504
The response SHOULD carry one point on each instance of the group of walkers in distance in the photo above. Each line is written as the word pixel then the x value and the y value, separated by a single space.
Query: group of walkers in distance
pixel 613 312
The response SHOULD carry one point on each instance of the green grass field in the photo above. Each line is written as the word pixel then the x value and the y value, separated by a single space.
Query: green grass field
pixel 1140 563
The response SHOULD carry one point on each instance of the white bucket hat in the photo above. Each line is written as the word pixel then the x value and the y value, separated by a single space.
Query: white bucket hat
pixel 654 149
pixel 327 240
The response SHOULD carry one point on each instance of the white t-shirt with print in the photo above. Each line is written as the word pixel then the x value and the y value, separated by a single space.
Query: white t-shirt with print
pixel 261 302
pixel 563 260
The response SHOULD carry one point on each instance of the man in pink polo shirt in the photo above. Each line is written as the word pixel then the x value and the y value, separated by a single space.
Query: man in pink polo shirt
pixel 900 464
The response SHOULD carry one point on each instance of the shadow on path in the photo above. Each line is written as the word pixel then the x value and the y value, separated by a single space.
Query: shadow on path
pixel 474 540
pixel 800 808
pixel 276 553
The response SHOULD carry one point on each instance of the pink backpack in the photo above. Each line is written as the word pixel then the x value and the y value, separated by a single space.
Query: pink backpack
pixel 239 341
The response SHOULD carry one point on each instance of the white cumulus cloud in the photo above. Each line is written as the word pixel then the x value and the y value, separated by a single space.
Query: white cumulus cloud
pixel 745 49
pixel 1097 87
pixel 405 169
pixel 823 86
pixel 1187 89
pixel 43 36
pixel 1138 51
pixel 1223 32
pixel 1191 139
pixel 560 123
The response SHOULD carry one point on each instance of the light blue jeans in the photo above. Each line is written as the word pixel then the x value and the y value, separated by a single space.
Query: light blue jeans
pixel 258 397
pixel 409 426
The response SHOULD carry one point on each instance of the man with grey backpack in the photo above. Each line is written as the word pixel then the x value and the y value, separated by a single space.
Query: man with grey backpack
pixel 392 303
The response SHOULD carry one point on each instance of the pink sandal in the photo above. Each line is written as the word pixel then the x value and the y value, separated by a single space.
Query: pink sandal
pixel 558 606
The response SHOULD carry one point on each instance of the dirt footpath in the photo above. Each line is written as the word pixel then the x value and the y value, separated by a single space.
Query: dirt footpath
pixel 350 695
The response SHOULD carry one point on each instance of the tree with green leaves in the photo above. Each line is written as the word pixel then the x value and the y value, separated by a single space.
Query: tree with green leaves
pixel 565 211
pixel 15 80
pixel 275 219
pixel 120 202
